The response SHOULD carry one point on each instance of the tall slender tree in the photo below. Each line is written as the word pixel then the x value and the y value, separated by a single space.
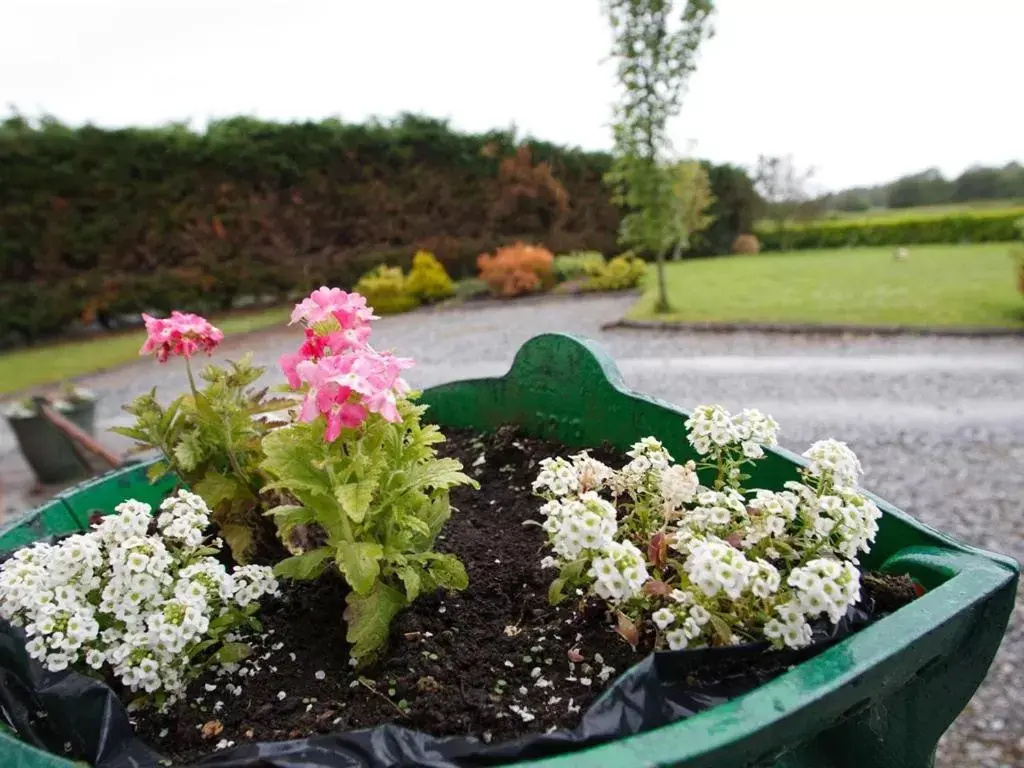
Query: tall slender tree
pixel 655 52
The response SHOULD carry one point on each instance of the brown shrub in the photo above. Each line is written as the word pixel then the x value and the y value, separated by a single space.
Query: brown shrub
pixel 746 244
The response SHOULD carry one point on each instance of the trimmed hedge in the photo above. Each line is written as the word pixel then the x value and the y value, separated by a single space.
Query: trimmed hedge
pixel 965 227
pixel 95 223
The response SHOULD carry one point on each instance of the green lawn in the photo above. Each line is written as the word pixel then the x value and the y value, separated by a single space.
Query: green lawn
pixel 52 363
pixel 938 285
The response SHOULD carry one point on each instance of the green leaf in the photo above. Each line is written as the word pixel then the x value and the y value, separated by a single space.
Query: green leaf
pixel 167 417
pixel 156 470
pixel 410 577
pixel 556 592
pixel 139 435
pixel 721 629
pixel 449 572
pixel 369 619
pixel 232 653
pixel 198 648
pixel 189 452
pixel 291 455
pixel 216 488
pixel 360 562
pixel 436 515
pixel 308 565
pixel 355 499
pixel 239 538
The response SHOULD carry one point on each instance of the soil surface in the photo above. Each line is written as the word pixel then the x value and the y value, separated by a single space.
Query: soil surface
pixel 495 661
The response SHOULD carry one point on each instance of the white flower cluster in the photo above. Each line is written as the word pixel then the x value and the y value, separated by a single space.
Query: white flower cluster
pixel 834 462
pixel 583 523
pixel 713 430
pixel 128 602
pixel 750 564
pixel 822 587
pixel 619 572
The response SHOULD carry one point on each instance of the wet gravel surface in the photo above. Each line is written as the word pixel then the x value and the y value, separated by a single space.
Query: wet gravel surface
pixel 938 424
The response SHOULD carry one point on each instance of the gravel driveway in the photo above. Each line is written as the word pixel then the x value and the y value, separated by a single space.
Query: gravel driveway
pixel 938 424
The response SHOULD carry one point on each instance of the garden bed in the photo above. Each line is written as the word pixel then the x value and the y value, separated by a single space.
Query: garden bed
pixel 495 661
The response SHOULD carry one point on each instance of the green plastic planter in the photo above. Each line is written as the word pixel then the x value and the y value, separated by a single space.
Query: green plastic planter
pixel 879 699
pixel 47 450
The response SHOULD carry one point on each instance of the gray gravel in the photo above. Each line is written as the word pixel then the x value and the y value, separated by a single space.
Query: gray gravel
pixel 938 423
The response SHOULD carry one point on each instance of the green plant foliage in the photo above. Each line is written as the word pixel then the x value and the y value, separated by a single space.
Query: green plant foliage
pixel 428 281
pixel 979 226
pixel 387 290
pixel 619 274
pixel 471 288
pixel 380 496
pixel 572 266
pixel 211 440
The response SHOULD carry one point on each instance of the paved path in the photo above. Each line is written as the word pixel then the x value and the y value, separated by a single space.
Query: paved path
pixel 938 423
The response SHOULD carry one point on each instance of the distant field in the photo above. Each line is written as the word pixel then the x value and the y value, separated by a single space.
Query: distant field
pixel 921 211
pixel 938 285
pixel 51 363
pixel 933 210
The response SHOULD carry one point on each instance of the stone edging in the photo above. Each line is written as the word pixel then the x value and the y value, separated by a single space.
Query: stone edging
pixel 814 329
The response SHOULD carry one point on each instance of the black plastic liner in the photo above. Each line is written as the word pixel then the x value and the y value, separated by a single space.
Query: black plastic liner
pixel 74 715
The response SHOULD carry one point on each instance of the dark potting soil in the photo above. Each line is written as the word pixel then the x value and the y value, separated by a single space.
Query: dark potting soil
pixel 495 661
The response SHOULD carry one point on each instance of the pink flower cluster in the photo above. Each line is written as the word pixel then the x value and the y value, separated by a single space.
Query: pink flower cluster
pixel 181 334
pixel 345 377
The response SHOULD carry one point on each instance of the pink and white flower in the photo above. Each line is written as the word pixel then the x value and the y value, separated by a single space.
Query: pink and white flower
pixel 182 334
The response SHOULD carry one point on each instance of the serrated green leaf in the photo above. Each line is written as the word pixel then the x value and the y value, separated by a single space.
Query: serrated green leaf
pixel 410 577
pixel 167 417
pixel 239 539
pixel 232 653
pixel 449 572
pixel 216 488
pixel 306 566
pixel 355 499
pixel 360 562
pixel 369 619
pixel 139 435
pixel 189 452
pixel 291 457
pixel 436 514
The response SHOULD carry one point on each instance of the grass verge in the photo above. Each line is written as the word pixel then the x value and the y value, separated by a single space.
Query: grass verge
pixel 938 286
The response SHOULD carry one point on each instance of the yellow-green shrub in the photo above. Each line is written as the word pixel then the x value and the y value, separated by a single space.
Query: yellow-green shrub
pixel 386 290
pixel 427 280
pixel 620 273
pixel 570 266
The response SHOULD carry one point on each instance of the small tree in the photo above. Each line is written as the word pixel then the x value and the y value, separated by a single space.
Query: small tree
pixel 785 189
pixel 655 58
pixel 690 200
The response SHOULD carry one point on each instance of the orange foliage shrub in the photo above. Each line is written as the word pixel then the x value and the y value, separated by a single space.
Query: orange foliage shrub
pixel 746 244
pixel 517 269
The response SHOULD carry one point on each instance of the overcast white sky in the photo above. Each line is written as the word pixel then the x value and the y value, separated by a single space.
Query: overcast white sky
pixel 863 90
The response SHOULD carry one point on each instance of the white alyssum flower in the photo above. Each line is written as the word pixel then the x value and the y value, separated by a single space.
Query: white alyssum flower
pixel 678 485
pixel 154 594
pixel 619 573
pixel 833 461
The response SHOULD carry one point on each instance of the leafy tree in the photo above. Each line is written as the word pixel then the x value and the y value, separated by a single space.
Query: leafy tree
pixel 785 189
pixel 691 199
pixel 656 53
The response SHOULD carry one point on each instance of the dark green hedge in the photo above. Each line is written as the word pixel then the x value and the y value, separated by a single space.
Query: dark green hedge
pixel 966 227
pixel 97 222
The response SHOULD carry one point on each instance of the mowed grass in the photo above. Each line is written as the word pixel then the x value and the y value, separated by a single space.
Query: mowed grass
pixel 937 286
pixel 51 363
